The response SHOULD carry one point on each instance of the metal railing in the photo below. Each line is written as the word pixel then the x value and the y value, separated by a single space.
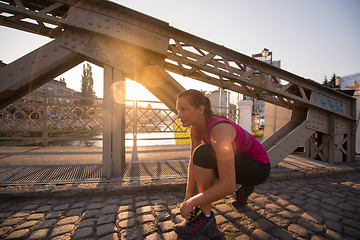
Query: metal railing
pixel 42 119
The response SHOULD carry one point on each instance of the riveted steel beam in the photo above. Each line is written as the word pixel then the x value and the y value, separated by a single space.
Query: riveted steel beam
pixel 35 69
pixel 232 68
pixel 114 122
pixel 206 58
pixel 137 63
pixel 335 135
pixel 34 17
pixel 136 44
pixel 119 54
pixel 289 143
pixel 162 85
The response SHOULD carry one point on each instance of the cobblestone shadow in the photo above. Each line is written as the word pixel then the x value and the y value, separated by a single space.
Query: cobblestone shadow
pixel 316 208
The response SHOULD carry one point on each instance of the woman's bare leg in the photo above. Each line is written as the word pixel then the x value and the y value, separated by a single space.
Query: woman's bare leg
pixel 204 178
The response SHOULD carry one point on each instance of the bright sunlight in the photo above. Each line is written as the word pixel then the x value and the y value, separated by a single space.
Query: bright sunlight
pixel 136 91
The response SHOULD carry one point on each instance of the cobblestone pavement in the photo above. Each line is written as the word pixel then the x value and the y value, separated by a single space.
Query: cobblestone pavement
pixel 316 208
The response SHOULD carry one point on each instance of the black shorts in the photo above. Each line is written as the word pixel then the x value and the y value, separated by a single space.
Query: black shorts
pixel 248 171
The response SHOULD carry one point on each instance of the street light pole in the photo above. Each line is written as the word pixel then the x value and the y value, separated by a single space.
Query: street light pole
pixel 264 56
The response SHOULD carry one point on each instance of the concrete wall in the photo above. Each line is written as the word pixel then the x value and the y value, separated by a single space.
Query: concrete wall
pixel 245 107
pixel 275 118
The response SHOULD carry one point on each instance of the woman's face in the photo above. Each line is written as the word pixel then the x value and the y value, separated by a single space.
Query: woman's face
pixel 187 113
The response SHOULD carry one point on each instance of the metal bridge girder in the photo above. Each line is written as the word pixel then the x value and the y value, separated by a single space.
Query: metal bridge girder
pixel 35 69
pixel 288 144
pixel 137 63
pixel 187 54
pixel 334 138
pixel 104 50
pixel 113 35
pixel 239 73
pixel 83 16
pixel 162 85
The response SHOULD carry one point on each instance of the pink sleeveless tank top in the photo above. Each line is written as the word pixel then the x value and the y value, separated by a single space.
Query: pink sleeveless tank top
pixel 244 142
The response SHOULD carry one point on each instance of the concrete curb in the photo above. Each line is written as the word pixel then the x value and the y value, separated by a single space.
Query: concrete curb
pixel 115 187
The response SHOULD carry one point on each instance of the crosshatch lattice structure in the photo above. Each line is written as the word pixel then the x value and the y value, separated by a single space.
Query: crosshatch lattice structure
pixel 43 121
pixel 47 120
pixel 129 44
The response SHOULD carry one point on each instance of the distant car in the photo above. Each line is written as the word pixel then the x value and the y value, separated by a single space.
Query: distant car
pixel 262 121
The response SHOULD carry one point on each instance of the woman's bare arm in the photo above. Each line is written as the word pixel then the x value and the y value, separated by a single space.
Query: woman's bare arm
pixel 222 137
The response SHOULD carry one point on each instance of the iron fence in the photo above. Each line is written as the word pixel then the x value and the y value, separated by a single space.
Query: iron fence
pixel 42 119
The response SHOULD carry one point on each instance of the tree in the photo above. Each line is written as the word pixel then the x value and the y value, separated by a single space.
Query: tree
pixel 62 79
pixel 326 81
pixel 87 85
pixel 206 93
pixel 332 82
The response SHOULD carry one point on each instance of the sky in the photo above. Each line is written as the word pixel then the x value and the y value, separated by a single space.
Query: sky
pixel 313 39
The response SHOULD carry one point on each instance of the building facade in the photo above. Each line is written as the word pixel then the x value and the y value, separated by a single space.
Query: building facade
pixel 351 82
pixel 57 92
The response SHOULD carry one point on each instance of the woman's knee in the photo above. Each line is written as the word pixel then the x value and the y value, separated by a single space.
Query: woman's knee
pixel 204 156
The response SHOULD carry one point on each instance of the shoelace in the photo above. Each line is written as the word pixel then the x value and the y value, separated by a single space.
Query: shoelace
pixel 199 226
pixel 194 214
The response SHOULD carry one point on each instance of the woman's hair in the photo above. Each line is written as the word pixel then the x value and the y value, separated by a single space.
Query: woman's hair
pixel 196 99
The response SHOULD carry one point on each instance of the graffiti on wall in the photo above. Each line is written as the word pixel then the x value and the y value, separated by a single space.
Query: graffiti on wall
pixel 325 100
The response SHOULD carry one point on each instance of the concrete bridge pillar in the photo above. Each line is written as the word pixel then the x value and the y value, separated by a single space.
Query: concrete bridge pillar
pixel 114 122
pixel 245 107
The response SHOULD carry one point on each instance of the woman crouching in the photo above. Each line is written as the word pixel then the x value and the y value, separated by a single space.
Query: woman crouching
pixel 224 159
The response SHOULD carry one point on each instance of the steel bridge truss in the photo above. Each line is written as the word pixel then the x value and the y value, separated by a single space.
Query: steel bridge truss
pixel 130 44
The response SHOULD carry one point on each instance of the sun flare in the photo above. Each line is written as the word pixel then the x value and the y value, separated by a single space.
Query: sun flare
pixel 136 91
